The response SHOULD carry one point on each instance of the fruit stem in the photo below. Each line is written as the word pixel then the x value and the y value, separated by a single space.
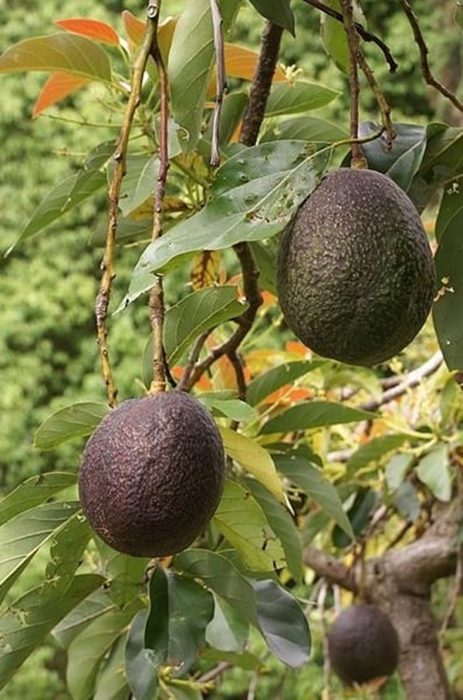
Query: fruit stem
pixel 107 264
pixel 156 298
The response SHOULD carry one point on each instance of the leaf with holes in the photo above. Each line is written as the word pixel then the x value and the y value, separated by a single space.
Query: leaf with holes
pixel 254 195
pixel 33 492
pixel 242 522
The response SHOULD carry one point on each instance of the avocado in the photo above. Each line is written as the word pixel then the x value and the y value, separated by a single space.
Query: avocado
pixel 152 474
pixel 355 277
pixel 363 645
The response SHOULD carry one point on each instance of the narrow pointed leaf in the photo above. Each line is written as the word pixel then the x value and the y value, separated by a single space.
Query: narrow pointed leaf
pixel 57 87
pixel 74 421
pixel 58 52
pixel 254 459
pixel 314 414
pixel 275 378
pixel 374 450
pixel 301 96
pixel 91 28
pixel 277 11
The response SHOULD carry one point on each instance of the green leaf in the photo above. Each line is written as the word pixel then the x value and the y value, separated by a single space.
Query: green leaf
pixel 139 182
pixel 196 313
pixel 222 577
pixel 89 609
pixel 59 52
pixel 373 451
pixel 190 62
pixel 334 35
pixel 359 515
pixel 242 522
pixel 312 129
pixel 187 631
pixel 314 414
pixel 139 666
pixel 112 682
pixel 396 470
pixel 33 492
pixel 157 623
pixel 23 535
pixel 449 267
pixel 254 195
pixel 300 96
pixel 311 480
pixel 272 380
pixel 91 646
pixel 69 423
pixel 277 11
pixel 282 525
pixel 401 162
pixel 434 471
pixel 66 195
pixel 227 630
pixel 406 501
pixel 244 660
pixel 235 409
pixel 254 459
pixel 126 574
pixel 282 623
pixel 66 550
pixel 31 618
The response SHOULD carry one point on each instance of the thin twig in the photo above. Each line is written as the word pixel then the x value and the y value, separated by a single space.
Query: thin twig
pixel 321 602
pixel 366 35
pixel 214 672
pixel 156 299
pixel 220 82
pixel 358 159
pixel 383 104
pixel 193 358
pixel 252 120
pixel 237 363
pixel 120 158
pixel 424 52
pixel 409 381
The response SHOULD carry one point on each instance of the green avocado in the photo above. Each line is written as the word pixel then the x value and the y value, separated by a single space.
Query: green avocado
pixel 152 474
pixel 356 278
pixel 363 645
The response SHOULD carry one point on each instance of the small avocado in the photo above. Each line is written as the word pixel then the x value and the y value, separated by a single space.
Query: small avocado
pixel 356 277
pixel 152 474
pixel 363 645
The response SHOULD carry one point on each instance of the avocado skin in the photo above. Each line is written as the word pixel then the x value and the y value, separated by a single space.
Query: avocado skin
pixel 356 278
pixel 363 644
pixel 152 474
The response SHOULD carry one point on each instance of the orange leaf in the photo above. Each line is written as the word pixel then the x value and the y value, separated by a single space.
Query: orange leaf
pixel 57 87
pixel 296 348
pixel 205 269
pixel 91 28
pixel 241 63
pixel 135 30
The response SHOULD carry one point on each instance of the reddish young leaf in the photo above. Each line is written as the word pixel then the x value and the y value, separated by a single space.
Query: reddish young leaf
pixel 241 62
pixel 134 28
pixel 91 28
pixel 57 87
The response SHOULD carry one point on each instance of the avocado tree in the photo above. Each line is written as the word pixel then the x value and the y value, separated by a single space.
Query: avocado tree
pixel 338 477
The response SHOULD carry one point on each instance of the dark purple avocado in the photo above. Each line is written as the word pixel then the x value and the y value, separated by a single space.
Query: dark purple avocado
pixel 363 645
pixel 152 474
pixel 356 277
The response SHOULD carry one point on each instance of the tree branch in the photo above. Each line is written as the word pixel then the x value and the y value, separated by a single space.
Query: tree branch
pixel 120 158
pixel 156 298
pixel 424 52
pixel 358 159
pixel 366 36
pixel 252 120
pixel 329 567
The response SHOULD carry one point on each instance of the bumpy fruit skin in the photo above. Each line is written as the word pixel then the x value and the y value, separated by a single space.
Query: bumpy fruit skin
pixel 356 278
pixel 363 645
pixel 152 474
